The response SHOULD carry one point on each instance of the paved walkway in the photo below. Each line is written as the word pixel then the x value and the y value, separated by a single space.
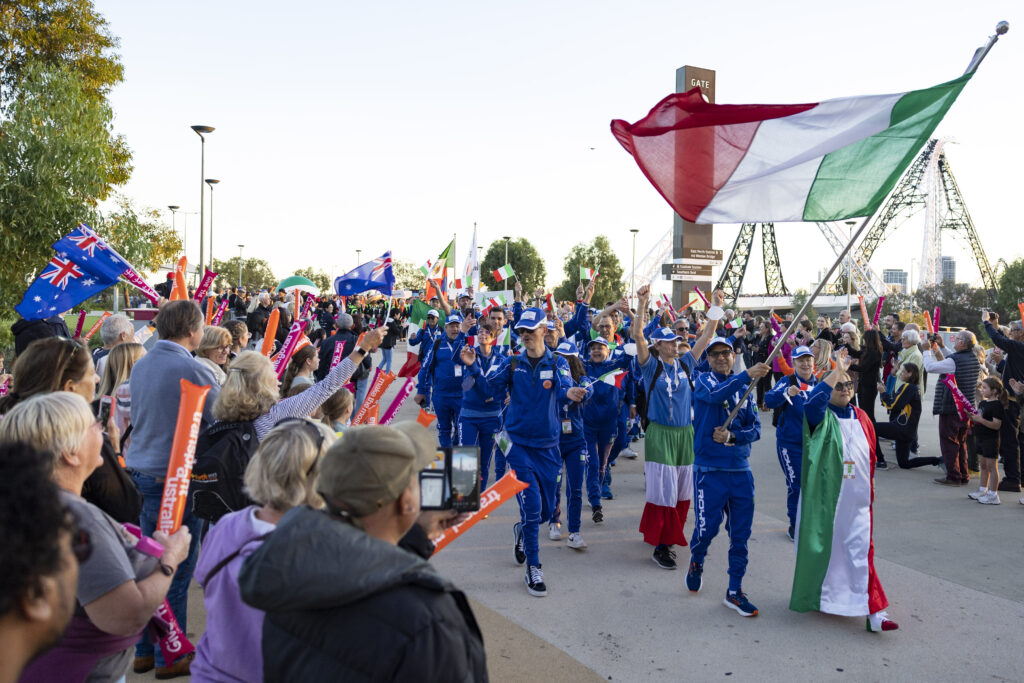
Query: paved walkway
pixel 952 570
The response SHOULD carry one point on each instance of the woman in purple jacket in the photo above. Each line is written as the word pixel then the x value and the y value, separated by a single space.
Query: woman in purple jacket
pixel 281 475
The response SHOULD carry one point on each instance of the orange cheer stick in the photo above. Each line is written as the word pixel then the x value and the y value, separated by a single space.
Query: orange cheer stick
pixel 180 289
pixel 864 312
pixel 380 385
pixel 425 418
pixel 490 500
pixel 268 338
pixel 183 455
pixel 96 326
pixel 1020 307
pixel 210 308
pixel 928 322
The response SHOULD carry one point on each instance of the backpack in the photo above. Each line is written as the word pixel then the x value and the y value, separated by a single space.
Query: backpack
pixel 222 454
pixel 643 399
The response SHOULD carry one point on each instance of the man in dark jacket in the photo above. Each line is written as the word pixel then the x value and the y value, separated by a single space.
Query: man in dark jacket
pixel 375 611
pixel 343 335
pixel 27 331
pixel 257 320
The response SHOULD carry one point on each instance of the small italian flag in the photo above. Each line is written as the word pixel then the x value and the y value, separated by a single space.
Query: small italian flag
pixel 457 283
pixel 496 301
pixel 425 268
pixel 504 273
pixel 587 273
pixel 503 442
pixel 615 378
pixel 504 337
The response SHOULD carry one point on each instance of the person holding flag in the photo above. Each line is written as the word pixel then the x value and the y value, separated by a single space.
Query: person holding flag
pixel 835 568
pixel 668 452
pixel 441 378
pixel 480 416
pixel 789 396
pixel 538 383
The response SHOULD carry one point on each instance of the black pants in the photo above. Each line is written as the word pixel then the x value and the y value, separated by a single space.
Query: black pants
pixel 867 394
pixel 1009 442
pixel 902 437
pixel 764 385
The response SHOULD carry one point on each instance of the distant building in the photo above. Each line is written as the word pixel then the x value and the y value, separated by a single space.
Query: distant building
pixel 895 280
pixel 948 269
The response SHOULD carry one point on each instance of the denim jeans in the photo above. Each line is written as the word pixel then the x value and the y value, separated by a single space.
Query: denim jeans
pixel 385 363
pixel 152 490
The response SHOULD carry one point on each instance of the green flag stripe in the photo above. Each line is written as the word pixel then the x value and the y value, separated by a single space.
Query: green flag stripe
pixel 855 180
pixel 820 482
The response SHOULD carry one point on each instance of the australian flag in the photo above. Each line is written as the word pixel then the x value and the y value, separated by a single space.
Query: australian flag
pixel 83 266
pixel 377 274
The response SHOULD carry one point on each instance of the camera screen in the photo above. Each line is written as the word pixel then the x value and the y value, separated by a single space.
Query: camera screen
pixel 431 492
pixel 465 470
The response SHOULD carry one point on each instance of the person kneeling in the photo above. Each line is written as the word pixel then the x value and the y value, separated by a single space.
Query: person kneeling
pixel 342 600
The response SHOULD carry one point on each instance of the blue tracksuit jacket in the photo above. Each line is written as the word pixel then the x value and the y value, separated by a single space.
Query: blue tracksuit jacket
pixel 425 336
pixel 442 372
pixel 791 422
pixel 715 396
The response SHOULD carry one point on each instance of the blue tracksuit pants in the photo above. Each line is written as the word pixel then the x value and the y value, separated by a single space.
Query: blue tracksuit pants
pixel 718 495
pixel 621 430
pixel 538 468
pixel 447 410
pixel 574 458
pixel 600 440
pixel 480 431
pixel 790 459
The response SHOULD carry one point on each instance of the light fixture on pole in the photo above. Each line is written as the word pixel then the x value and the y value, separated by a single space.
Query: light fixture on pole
pixel 240 248
pixel 211 182
pixel 506 238
pixel 910 285
pixel 358 257
pixel 201 131
pixel 632 272
pixel 849 269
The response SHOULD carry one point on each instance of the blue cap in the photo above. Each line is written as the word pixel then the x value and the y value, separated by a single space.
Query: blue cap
pixel 531 319
pixel 453 318
pixel 802 351
pixel 664 334
pixel 551 325
pixel 720 341
pixel 598 340
pixel 567 348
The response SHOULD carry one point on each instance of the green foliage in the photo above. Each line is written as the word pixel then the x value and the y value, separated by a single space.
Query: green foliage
pixel 800 297
pixel 408 276
pixel 599 256
pixel 525 261
pixel 141 237
pixel 256 274
pixel 319 278
pixel 54 166
pixel 960 304
pixel 1011 291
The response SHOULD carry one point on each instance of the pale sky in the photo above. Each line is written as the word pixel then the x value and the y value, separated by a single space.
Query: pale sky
pixel 393 125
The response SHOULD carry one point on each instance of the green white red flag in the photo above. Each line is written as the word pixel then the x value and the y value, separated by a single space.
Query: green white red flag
pixel 615 378
pixel 504 273
pixel 587 273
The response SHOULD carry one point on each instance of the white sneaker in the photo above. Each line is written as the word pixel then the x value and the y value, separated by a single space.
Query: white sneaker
pixel 976 495
pixel 554 532
pixel 990 498
pixel 628 452
pixel 576 542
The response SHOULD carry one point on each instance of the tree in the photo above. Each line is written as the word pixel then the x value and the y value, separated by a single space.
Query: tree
pixel 524 259
pixel 960 304
pixel 596 255
pixel 68 36
pixel 256 274
pixel 319 278
pixel 800 297
pixel 408 276
pixel 54 167
pixel 1011 291
pixel 141 237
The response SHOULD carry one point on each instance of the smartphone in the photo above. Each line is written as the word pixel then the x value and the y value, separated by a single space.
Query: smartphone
pixel 105 406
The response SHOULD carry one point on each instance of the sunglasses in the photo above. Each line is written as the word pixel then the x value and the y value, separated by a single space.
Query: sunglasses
pixel 844 386
pixel 315 433
pixel 719 354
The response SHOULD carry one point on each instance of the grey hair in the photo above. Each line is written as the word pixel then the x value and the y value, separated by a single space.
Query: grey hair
pixel 912 337
pixel 114 326
pixel 1017 325
pixel 968 338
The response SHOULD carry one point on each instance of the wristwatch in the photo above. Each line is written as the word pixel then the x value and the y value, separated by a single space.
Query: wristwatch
pixel 167 569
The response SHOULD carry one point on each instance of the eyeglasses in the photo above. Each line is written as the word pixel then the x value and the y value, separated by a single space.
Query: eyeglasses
pixel 719 354
pixel 316 434
pixel 844 386
pixel 225 348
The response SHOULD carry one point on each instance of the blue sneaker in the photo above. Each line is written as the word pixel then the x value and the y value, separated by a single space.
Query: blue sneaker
pixel 694 576
pixel 738 601
pixel 606 492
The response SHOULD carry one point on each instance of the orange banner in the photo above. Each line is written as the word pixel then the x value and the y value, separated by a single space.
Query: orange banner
pixel 180 289
pixel 928 322
pixel 96 326
pixel 211 307
pixel 183 454
pixel 373 414
pixel 490 500
pixel 864 313
pixel 268 338
pixel 380 385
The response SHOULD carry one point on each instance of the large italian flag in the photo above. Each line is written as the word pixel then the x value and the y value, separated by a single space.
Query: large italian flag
pixel 823 161
pixel 835 563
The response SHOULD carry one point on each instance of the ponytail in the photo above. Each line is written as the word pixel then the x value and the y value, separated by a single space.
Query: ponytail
pixel 997 386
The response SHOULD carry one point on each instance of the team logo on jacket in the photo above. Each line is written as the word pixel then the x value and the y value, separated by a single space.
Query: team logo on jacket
pixel 547 384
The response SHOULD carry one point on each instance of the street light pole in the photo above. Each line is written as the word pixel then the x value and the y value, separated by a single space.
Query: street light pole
pixel 849 269
pixel 632 272
pixel 200 130
pixel 506 238
pixel 240 248
pixel 211 182
pixel 174 224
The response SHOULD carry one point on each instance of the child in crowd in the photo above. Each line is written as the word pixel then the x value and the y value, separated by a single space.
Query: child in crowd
pixel 987 421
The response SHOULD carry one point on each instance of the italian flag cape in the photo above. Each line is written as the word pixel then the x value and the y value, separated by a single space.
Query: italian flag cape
pixel 835 556
pixel 824 161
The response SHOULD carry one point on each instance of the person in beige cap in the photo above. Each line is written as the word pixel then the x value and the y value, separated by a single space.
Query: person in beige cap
pixel 348 592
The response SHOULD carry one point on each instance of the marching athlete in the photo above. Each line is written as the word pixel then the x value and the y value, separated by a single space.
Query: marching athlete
pixel 572 445
pixel 441 379
pixel 480 416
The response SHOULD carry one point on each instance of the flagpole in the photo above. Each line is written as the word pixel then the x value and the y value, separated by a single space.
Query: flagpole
pixel 796 318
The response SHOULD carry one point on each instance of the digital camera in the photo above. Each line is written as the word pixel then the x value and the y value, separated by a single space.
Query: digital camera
pixel 453 481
